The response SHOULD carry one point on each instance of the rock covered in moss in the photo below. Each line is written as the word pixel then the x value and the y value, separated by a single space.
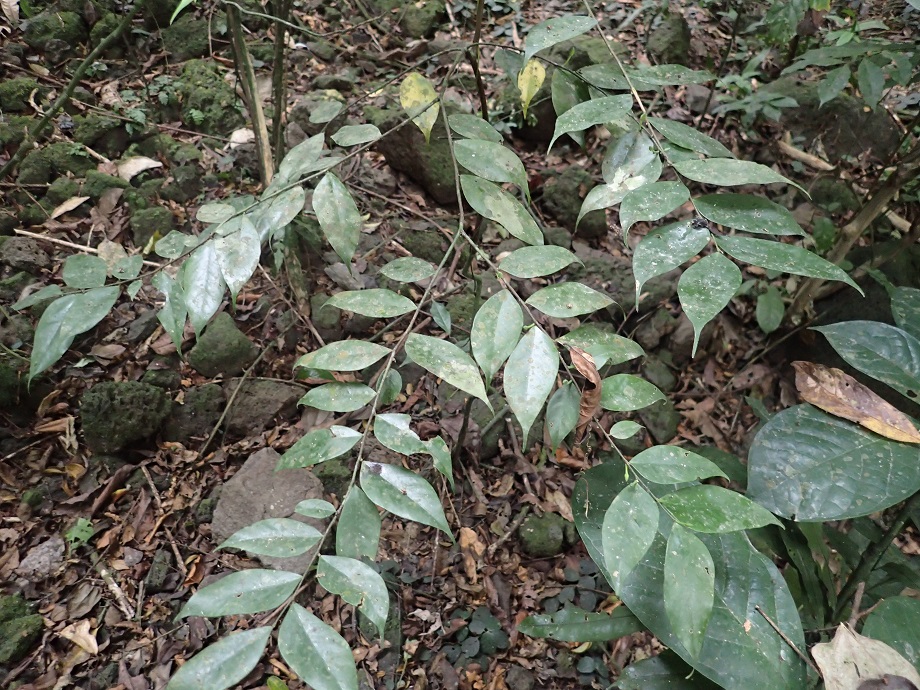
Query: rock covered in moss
pixel 13 129
pixel 97 182
pixel 56 159
pixel 67 27
pixel 62 189
pixel 184 185
pixel 222 349
pixel 19 629
pixel 115 414
pixel 147 222
pixel 15 94
pixel 418 18
pixel 24 254
pixel 209 103
pixel 669 42
pixel 198 414
pixel 562 197
pixel 101 133
pixel 186 38
pixel 544 536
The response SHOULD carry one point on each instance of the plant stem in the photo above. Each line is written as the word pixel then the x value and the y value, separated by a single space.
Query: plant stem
pixel 472 53
pixel 282 10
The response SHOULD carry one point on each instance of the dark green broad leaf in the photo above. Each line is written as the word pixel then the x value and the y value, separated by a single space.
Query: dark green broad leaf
pixel 441 316
pixel 392 430
pixel 378 303
pixel 629 528
pixel 492 202
pixel 689 138
pixel 565 300
pixel 715 510
pixel 567 91
pixel 440 458
pixel 65 319
pixel 884 352
pixel 238 255
pixel 871 81
pixel 605 346
pixel 245 591
pixel 278 537
pixel 562 413
pixel 651 202
pixel 728 172
pixel 224 663
pixel 747 213
pixel 358 584
pixel 339 397
pixel 215 212
pixel 352 135
pixel 534 262
pixel 809 466
pixel 894 622
pixel 474 127
pixel 491 161
pixel 318 446
pixel 277 210
pixel 590 113
pixel 788 258
pixel 756 658
pixel 345 355
pixel 705 289
pixel 49 292
pixel 173 313
pixel 556 30
pixel 314 508
pixel 338 216
pixel 625 393
pixel 673 465
pixel 389 387
pixel 530 375
pixel 666 248
pixel 667 671
pixel 833 83
pixel 175 244
pixel 495 331
pixel 770 309
pixel 612 193
pixel 302 158
pixel 357 533
pixel 316 652
pixel 905 307
pixel 608 76
pixel 447 361
pixel 403 493
pixel 689 588
pixel 128 267
pixel 627 156
pixel 668 75
pixel 82 271
pixel 408 269
pixel 572 624
pixel 202 285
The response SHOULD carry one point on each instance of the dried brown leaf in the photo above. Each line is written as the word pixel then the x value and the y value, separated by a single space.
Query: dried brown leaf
pixel 591 393
pixel 68 205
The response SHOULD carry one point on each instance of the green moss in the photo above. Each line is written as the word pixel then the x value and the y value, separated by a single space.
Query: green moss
pixel 101 132
pixel 222 349
pixel 13 129
pixel 97 182
pixel 15 93
pixel 187 37
pixel 13 606
pixel 17 637
pixel 62 189
pixel 562 197
pixel 56 159
pixel 10 379
pixel 102 29
pixel 35 214
pixel 185 185
pixel 544 536
pixel 115 414
pixel 209 104
pixel 147 222
pixel 66 26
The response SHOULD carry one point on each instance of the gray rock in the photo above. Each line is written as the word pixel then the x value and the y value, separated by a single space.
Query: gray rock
pixel 24 254
pixel 257 492
pixel 417 18
pixel 651 331
pixel 258 403
pixel 17 637
pixel 543 536
pixel 661 419
pixel 197 416
pixel 659 374
pixel 669 42
pixel 222 349
pixel 519 678
pixel 562 197
pixel 159 569
pixel 42 560
pixel 116 413
pixel 680 344
pixel 307 112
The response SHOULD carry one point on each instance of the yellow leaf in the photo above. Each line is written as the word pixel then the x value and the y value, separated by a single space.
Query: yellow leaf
pixel 416 94
pixel 530 80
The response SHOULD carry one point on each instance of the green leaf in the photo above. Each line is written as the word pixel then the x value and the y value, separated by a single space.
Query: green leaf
pixel 611 194
pixel 408 269
pixel 314 508
pixel 301 159
pixel 747 213
pixel 83 271
pixel 377 303
pixel 339 397
pixel 666 248
pixel 894 622
pixel 492 202
pixel 728 172
pixel 689 588
pixel 202 285
pixel 245 591
pixel 238 255
pixel 278 537
pixel 358 584
pixel 276 212
pixel 565 300
pixel 215 213
pixel 416 95
pixel 625 392
pixel 788 258
pixel 567 91
pixel 628 156
pixel 605 346
pixel 389 387
pixel 770 310
pixel 667 671
pixel 318 446
pixel 440 457
pixel 689 138
pixel 905 307
pixel 605 76
pixel 833 83
pixel 46 293
pixel 224 663
pixel 175 244
pixel 63 320
pixel 673 465
pixel 625 429
pixel 344 355
pixel 392 430
pixel 884 352
pixel 447 361
pixel 352 135
pixel 473 127
pixel 572 624
pixel 128 267
pixel 534 262
pixel 562 413
pixel 338 216
pixel 714 510
pixel 871 81
pixel 667 75
pixel 491 161
pixel 495 331
pixel 556 30
pixel 403 493
pixel 806 465
pixel 651 202
pixel 316 652
pixel 441 316
pixel 705 289
pixel 357 533
pixel 530 375
pixel 173 313
pixel 594 112
pixel 630 526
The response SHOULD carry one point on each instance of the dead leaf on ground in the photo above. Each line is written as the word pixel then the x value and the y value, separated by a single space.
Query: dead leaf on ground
pixel 68 205
pixel 130 167
pixel 851 659
pixel 843 396
pixel 590 394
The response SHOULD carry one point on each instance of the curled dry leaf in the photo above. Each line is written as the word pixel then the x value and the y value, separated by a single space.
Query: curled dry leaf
pixel 843 396
pixel 68 205
pixel 590 394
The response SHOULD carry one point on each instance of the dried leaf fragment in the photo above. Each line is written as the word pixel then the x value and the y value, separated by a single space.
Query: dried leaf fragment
pixel 591 394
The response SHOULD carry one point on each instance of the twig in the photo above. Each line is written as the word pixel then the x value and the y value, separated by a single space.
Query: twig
pixel 282 10
pixel 71 245
pixel 785 638
pixel 512 528
pixel 803 157
pixel 172 539
pixel 121 601
pixel 857 602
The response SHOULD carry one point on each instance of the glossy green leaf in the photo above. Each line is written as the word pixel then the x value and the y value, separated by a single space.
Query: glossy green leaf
pixel 625 392
pixel 215 212
pixel 83 271
pixel 705 289
pixel 905 307
pixel 492 202
pixel 612 193
pixel 565 300
pixel 238 255
pixel 689 138
pixel 352 135
pixel 728 172
pixel 440 458
pixel 627 156
pixel 747 213
pixel 278 211
pixel 389 387
pixel 625 429
pixel 202 285
pixel 173 313
pixel 339 397
pixel 667 671
pixel 338 216
pixel 871 81
pixel 567 91
pixel 667 75
pixel 788 258
pixel 629 528
pixel 128 267
pixel 807 465
pixel 473 127
pixel 651 202
pixel 357 533
pixel 419 99
pixel 590 113
pixel 245 591
pixel 666 248
pixel 278 537
pixel 175 244
pixel 689 588
pixel 572 624
pixel 770 310
pixel 318 446
pixel 712 509
pixel 301 159
pixel 316 652
pixel 833 84
pixel 447 361
pixel 63 320
pixel 377 303
pixel 555 30
pixel 530 375
pixel 491 161
pixel 894 622
pixel 314 508
pixel 606 76
pixel 408 269
pixel 605 346
pixel 358 584
pixel 403 493
pixel 562 413
pixel 495 331
pixel 392 430
pixel 534 262
pixel 224 663
pixel 673 465
pixel 46 293
pixel 344 355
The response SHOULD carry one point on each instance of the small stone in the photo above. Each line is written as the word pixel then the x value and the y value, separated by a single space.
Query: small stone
pixel 659 374
pixel 147 222
pixel 543 536
pixel 257 404
pixel 43 560
pixel 669 42
pixel 562 197
pixel 167 379
pixel 186 38
pixel 661 419
pixel 519 678
pixel 24 254
pixel 651 331
pixel 222 349
pixel 159 569
pixel 116 413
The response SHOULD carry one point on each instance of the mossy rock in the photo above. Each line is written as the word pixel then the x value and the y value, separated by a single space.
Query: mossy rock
pixel 54 160
pixel 13 129
pixel 305 110
pixel 63 26
pixel 422 242
pixel 418 18
pixel 11 383
pixel 544 536
pixel 98 182
pixel 335 475
pixel 185 184
pixel 563 196
pixel 101 133
pixel 13 606
pixel 669 41
pixel 186 38
pixel 8 222
pixel 17 637
pixel 462 307
pixel 62 189
pixel 222 349
pixel 198 414
pixel 101 30
pixel 145 223
pixel 833 195
pixel 115 414
pixel 209 104
pixel 15 93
